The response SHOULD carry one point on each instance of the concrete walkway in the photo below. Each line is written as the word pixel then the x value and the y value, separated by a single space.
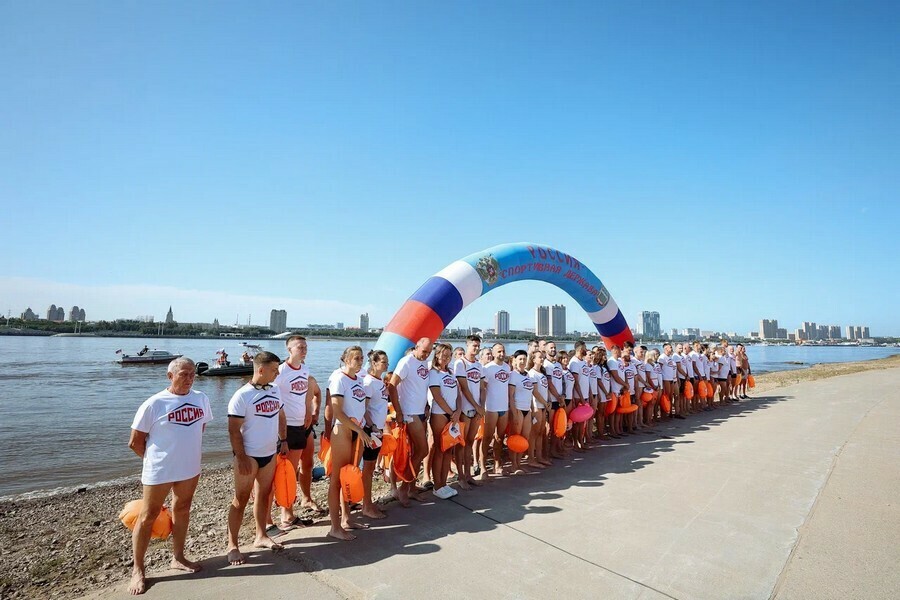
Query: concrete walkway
pixel 792 495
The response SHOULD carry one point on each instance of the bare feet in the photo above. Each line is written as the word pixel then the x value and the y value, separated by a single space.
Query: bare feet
pixel 354 525
pixel 340 534
pixel 373 513
pixel 138 583
pixel 473 481
pixel 536 465
pixel 403 496
pixel 311 505
pixel 267 542
pixel 183 564
pixel 483 476
pixel 235 557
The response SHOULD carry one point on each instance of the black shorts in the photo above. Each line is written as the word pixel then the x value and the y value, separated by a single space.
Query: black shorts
pixel 555 405
pixel 369 453
pixel 721 379
pixel 262 461
pixel 297 436
pixel 524 412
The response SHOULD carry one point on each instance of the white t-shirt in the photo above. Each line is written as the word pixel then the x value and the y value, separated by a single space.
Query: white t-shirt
pixel 650 375
pixel 473 373
pixel 353 392
pixel 449 388
pixel 677 359
pixel 630 371
pixel 658 374
pixel 569 381
pixel 583 371
pixel 497 393
pixel 615 365
pixel 605 380
pixel 524 386
pixel 667 364
pixel 377 408
pixel 413 387
pixel 542 386
pixel 704 361
pixel 594 375
pixel 696 364
pixel 638 368
pixel 732 364
pixel 259 410
pixel 293 384
pixel 174 428
pixel 554 373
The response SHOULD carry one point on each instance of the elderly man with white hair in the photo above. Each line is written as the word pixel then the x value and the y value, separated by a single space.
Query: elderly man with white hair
pixel 167 433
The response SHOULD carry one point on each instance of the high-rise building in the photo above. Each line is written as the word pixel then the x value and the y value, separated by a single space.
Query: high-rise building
pixel 850 333
pixel 834 332
pixel 364 322
pixel 822 333
pixel 768 328
pixel 501 322
pixel 865 332
pixel 810 330
pixel 51 313
pixel 74 313
pixel 691 332
pixel 858 332
pixel 29 315
pixel 800 335
pixel 170 318
pixel 339 325
pixel 557 320
pixel 781 333
pixel 542 321
pixel 278 321
pixel 648 325
pixel 81 316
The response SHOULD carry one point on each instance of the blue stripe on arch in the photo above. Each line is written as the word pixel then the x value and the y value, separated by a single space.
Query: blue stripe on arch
pixel 442 296
pixel 614 326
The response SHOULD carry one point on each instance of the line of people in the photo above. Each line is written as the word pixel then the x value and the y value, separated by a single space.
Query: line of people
pixel 485 396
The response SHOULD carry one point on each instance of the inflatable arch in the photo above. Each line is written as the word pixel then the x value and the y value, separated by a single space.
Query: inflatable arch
pixel 434 305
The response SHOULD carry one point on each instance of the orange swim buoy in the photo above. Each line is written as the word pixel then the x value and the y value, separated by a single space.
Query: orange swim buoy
pixel 403 457
pixel 351 478
pixel 627 410
pixel 285 482
pixel 559 423
pixel 688 390
pixel 739 379
pixel 647 397
pixel 611 405
pixel 479 435
pixel 517 443
pixel 326 462
pixel 665 404
pixel 388 445
pixel 701 389
pixel 162 526
pixel 448 439
pixel 751 382
pixel 324 446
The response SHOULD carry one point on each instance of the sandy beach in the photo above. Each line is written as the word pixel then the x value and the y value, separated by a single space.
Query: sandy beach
pixel 71 545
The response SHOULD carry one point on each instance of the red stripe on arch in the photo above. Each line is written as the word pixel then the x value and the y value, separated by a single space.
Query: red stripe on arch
pixel 415 320
pixel 618 339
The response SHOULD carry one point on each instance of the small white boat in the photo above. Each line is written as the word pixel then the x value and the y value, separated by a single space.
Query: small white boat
pixel 152 357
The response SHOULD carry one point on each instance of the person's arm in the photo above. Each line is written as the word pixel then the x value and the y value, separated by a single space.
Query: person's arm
pixel 462 384
pixel 237 445
pixel 511 389
pixel 680 369
pixel 282 432
pixel 313 402
pixel 576 389
pixel 138 442
pixel 542 402
pixel 551 387
pixel 395 398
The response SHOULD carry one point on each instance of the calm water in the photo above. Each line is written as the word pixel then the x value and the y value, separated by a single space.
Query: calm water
pixel 66 406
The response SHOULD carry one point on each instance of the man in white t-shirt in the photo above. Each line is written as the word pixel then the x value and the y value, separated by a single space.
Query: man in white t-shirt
pixel 167 433
pixel 495 391
pixel 408 389
pixel 257 427
pixel 581 371
pixel 469 372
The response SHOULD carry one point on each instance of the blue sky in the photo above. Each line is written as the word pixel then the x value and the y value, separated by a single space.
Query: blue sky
pixel 716 161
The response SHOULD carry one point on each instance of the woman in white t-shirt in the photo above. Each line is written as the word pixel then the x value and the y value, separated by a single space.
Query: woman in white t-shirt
pixel 653 377
pixel 376 418
pixel 540 407
pixel 603 390
pixel 557 445
pixel 443 393
pixel 348 404
pixel 521 395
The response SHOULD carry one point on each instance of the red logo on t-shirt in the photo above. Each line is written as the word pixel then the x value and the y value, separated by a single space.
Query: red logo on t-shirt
pixel 358 393
pixel 473 375
pixel 186 414
pixel 298 386
pixel 502 376
pixel 267 406
pixel 449 381
pixel 422 372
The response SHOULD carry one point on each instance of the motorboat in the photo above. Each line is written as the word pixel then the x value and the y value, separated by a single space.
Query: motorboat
pixel 222 367
pixel 150 357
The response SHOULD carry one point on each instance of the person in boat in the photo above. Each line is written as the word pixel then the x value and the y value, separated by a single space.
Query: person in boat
pixel 167 433
pixel 144 351
pixel 246 358
pixel 223 358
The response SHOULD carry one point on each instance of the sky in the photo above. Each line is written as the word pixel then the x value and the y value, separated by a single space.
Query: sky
pixel 718 162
